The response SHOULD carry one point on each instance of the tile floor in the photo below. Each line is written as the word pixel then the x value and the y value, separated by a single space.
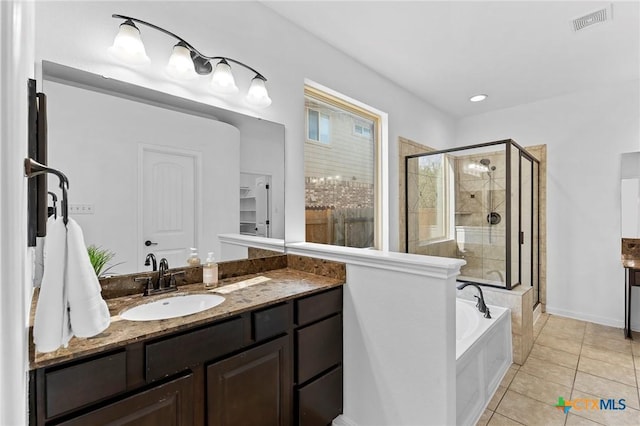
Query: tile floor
pixel 573 359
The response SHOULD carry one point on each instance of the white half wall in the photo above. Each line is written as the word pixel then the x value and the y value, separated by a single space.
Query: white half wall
pixel 585 134
pixel 399 336
pixel 17 32
pixel 285 53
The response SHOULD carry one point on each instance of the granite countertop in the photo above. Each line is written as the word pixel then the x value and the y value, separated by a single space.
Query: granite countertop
pixel 284 284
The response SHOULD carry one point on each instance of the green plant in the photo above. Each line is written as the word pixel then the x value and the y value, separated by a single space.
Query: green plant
pixel 99 258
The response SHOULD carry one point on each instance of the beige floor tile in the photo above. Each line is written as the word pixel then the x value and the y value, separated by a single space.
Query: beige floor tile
pixel 550 372
pixel 618 345
pixel 559 343
pixel 497 396
pixel 563 333
pixel 608 371
pixel 605 388
pixel 612 357
pixel 539 389
pixel 484 418
pixel 573 420
pixel 500 420
pixel 556 321
pixel 604 331
pixel 635 346
pixel 628 416
pixel 509 375
pixel 528 411
pixel 555 356
pixel 636 362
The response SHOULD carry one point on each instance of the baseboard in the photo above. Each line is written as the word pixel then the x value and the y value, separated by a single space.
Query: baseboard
pixel 537 313
pixel 591 318
pixel 342 420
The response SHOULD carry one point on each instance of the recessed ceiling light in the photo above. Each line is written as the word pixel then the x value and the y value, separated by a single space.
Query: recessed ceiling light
pixel 478 98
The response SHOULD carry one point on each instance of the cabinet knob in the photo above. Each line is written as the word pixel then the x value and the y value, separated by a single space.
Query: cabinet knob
pixel 149 243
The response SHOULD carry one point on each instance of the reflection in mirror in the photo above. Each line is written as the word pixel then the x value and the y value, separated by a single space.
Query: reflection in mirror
pixel 153 173
pixel 630 194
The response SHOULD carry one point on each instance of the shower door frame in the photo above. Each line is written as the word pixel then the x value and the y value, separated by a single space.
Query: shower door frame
pixel 535 197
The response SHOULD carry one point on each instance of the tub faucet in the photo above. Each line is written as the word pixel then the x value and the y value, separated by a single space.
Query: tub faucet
pixel 482 307
pixel 151 257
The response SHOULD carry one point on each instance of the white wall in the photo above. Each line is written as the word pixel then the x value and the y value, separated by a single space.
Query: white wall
pixel 94 139
pixel 585 134
pixel 254 34
pixel 17 34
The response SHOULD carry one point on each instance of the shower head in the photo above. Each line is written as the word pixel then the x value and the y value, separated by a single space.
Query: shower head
pixel 485 162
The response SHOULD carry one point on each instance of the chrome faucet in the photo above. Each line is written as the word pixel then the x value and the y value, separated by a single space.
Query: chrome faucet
pixel 482 307
pixel 151 257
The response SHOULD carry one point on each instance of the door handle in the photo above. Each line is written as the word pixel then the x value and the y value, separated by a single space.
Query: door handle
pixel 149 243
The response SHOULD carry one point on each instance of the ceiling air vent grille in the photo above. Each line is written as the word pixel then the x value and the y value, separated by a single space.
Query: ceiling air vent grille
pixel 592 18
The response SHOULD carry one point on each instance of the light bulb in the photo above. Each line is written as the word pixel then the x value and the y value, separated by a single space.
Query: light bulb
pixel 222 80
pixel 180 64
pixel 258 95
pixel 128 46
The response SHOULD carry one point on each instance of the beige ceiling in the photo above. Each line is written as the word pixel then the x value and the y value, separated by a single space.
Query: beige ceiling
pixel 446 51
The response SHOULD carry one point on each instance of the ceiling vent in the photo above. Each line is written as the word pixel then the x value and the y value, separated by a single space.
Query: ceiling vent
pixel 593 18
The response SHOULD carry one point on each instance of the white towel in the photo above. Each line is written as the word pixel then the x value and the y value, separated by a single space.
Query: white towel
pixel 38 263
pixel 70 302
pixel 88 312
pixel 51 324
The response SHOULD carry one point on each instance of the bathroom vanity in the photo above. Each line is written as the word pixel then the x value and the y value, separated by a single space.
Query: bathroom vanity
pixel 271 354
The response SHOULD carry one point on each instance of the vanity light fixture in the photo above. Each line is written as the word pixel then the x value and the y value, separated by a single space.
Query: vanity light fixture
pixel 478 98
pixel 187 62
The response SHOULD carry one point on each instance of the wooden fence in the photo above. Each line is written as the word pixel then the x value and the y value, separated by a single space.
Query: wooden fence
pixel 341 227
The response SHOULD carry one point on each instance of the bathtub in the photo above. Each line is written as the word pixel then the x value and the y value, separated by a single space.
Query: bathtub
pixel 483 356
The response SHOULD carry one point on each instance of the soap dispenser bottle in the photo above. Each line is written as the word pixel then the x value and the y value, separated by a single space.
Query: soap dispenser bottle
pixel 210 271
pixel 193 259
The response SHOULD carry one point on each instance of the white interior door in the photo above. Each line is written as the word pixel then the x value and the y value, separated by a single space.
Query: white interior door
pixel 169 203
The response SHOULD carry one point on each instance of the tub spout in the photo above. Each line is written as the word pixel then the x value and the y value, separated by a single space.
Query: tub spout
pixel 482 307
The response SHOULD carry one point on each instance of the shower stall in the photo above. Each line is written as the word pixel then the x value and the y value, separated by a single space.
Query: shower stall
pixel 478 203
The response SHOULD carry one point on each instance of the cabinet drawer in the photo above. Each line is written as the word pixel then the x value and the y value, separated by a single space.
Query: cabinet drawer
pixel 320 401
pixel 177 353
pixel 312 308
pixel 86 382
pixel 271 321
pixel 319 347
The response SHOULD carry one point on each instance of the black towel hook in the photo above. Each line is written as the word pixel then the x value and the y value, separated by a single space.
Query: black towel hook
pixel 32 168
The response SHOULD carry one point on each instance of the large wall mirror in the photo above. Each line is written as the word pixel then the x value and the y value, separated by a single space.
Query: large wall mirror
pixel 154 173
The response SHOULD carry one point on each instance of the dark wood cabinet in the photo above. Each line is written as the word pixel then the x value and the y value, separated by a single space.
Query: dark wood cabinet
pixel 169 404
pixel 251 388
pixel 318 358
pixel 278 365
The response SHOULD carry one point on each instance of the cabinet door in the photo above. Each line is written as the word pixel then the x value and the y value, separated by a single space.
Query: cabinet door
pixel 168 404
pixel 251 388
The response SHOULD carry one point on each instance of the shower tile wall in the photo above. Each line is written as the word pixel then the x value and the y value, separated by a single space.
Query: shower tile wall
pixel 482 245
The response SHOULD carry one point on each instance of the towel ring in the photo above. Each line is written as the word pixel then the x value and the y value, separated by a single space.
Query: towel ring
pixel 32 168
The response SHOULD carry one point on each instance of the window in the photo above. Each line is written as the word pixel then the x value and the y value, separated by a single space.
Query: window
pixel 434 208
pixel 318 126
pixel 361 129
pixel 342 189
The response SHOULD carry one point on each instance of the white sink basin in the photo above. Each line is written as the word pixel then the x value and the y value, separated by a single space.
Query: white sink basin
pixel 172 307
